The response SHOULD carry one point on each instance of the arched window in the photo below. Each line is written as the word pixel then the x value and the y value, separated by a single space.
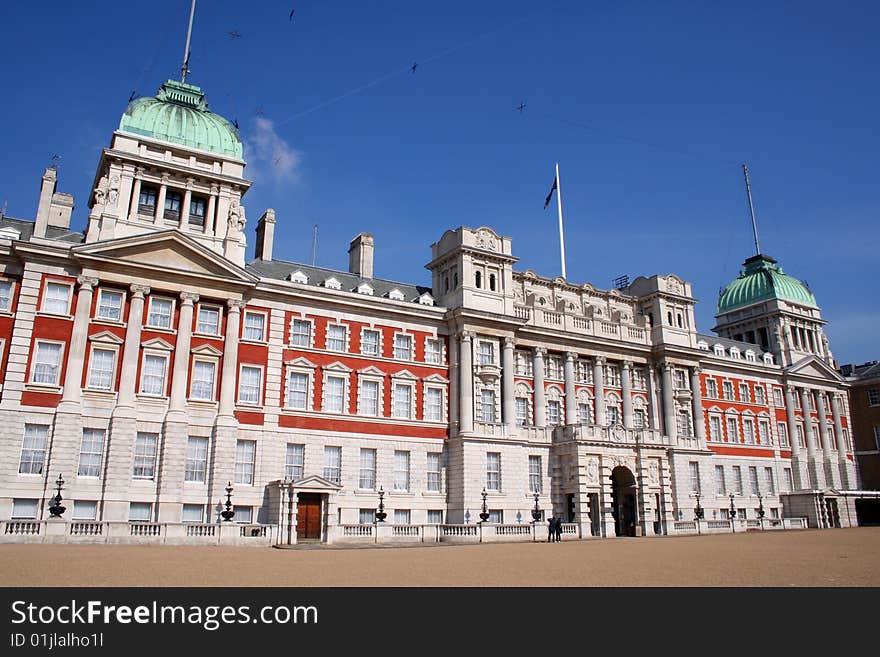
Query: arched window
pixel 492 282
pixel 478 279
pixel 669 316
pixel 446 284
pixel 680 324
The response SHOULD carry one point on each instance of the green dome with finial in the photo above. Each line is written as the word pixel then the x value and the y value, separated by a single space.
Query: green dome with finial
pixel 762 280
pixel 179 113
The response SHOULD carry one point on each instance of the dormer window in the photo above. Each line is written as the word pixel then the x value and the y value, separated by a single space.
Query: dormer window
pixel 147 200
pixel 719 350
pixel 299 277
pixel 365 288
pixel 332 283
pixel 734 353
pixel 197 208
pixel 172 205
pixel 426 299
pixel 396 295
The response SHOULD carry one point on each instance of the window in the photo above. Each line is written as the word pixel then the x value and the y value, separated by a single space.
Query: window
pixel 56 298
pixel 715 429
pixel 876 437
pixel 777 397
pixel 487 353
pixel 140 511
pixel 585 413
pixel 789 482
pixel 684 424
pixel 202 386
pixel 759 395
pixel 433 482
pixel 84 510
pixel 612 415
pixel 800 435
pixel 33 449
pixel 160 312
pixel 334 394
pixel 172 204
pixel 366 516
pixel 90 451
pixel 336 338
pixel 435 517
pixel 196 459
pixel 254 326
pixel 782 430
pixel 109 306
pixel 681 380
pixel 764 432
pixel 496 516
pixel 749 431
pixel 753 480
pixel 301 333
pixel 694 468
pixel 208 320
pixel 554 412
pixel 639 379
pixel 193 513
pixel 732 430
pixel 369 397
pixel 47 364
pixel 5 295
pixel 370 342
pixel 737 480
pixel 401 470
pixel 23 509
pixel 771 483
pixel 147 200
pixel 243 514
pixel 554 367
pixel 401 516
pixel 433 351
pixel 298 390
pixel 727 386
pixel 522 411
pixel 101 369
pixel 434 404
pixel 403 347
pixel 333 464
pixel 639 418
pixel 711 388
pixel 402 401
pixel 487 405
pixel 250 385
pixel 145 455
pixel 367 477
pixel 535 474
pixel 720 485
pixel 874 397
pixel 245 455
pixel 744 392
pixel 493 471
pixel 197 207
pixel 523 363
pixel 294 462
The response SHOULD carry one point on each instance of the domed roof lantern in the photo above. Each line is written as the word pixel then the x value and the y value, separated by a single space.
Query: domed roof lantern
pixel 761 280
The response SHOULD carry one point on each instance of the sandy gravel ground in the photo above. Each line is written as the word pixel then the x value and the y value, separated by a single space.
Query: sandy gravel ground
pixel 843 557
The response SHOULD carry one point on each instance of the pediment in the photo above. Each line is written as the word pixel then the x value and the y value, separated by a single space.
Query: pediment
pixel 436 378
pixel 168 250
pixel 372 370
pixel 337 366
pixel 107 337
pixel 405 374
pixel 300 362
pixel 157 343
pixel 815 368
pixel 315 482
pixel 207 350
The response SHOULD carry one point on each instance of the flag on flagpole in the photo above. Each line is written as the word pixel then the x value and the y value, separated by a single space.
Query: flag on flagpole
pixel 550 195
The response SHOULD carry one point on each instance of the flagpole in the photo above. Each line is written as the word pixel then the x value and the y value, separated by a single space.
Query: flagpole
pixel 559 207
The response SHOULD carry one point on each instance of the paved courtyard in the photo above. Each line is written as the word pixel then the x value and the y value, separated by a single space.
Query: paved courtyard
pixel 843 557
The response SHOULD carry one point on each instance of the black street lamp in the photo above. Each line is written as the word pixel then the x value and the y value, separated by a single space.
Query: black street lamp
pixel 698 510
pixel 56 509
pixel 760 506
pixel 536 512
pixel 484 514
pixel 228 514
pixel 732 513
pixel 380 513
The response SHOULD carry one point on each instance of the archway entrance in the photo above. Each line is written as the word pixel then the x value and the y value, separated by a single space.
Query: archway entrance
pixel 623 501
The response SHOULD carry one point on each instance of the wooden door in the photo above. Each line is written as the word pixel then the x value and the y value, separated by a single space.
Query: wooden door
pixel 308 516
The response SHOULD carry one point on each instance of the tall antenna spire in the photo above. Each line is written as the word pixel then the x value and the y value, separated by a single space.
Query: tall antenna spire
pixel 752 210
pixel 315 246
pixel 184 69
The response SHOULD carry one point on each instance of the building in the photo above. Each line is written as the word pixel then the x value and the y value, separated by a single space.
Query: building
pixel 864 399
pixel 150 361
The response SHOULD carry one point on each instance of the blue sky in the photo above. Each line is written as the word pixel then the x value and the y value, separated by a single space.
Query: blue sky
pixel 650 108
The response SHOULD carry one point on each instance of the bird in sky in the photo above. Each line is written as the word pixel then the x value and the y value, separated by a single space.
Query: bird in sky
pixel 277 161
pixel 235 34
pixel 521 107
pixel 292 12
pixel 412 69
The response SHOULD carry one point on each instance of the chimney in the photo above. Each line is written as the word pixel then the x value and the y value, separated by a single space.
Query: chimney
pixel 360 256
pixel 60 210
pixel 265 235
pixel 47 191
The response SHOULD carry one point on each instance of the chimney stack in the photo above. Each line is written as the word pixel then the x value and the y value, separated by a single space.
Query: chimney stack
pixel 360 256
pixel 47 191
pixel 265 235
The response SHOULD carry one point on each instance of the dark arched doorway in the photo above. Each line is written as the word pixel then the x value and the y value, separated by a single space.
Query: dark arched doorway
pixel 623 501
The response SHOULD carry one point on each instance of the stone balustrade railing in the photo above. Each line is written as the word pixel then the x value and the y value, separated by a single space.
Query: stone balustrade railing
pixel 737 525
pixel 615 435
pixel 583 325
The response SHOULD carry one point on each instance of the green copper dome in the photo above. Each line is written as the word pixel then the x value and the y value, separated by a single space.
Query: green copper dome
pixel 763 279
pixel 179 113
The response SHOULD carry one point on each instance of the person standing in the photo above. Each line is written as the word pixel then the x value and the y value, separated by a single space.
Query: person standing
pixel 558 530
pixel 551 529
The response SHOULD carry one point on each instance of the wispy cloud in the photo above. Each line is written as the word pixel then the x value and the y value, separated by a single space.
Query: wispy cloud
pixel 270 154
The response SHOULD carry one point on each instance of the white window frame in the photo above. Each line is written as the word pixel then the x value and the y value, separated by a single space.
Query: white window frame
pixel 149 315
pixel 188 472
pixel 11 283
pixel 727 391
pixel 327 472
pixel 311 335
pixel 59 283
pixel 58 366
pixel 782 430
pixel 184 516
pixel 299 367
pixel 770 480
pixel 434 475
pixel 102 292
pixel 147 506
pixel 344 328
pixel 737 480
pixel 715 428
pixel 745 394
pixel 694 472
pixel 402 516
pixel 210 360
pixel 720 481
pixel 536 478
pixel 84 469
pixel 35 449
pixel 144 465
pixel 207 307
pixel 344 401
pixel 485 352
pixel 760 395
pixel 240 473
pixel 493 475
pixel 554 412
pixel 712 388
pixel 378 352
pixel 397 384
pixel 292 464
pixel 374 379
pixel 441 409
pixel 402 470
pixel 241 368
pixel 157 354
pixel 24 508
pixel 410 349
pixel 78 507
pixel 244 515
pixel 102 346
pixel 727 422
pixel 754 482
pixel 748 429
pixel 434 356
pixel 367 469
pixel 263 330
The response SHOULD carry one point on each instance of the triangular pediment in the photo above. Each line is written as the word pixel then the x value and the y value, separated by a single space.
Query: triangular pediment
pixel 315 482
pixel 436 378
pixel 300 362
pixel 107 337
pixel 207 350
pixel 157 343
pixel 372 370
pixel 815 368
pixel 168 250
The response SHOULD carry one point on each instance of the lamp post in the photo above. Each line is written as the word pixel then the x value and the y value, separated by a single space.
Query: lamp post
pixel 761 510
pixel 698 510
pixel 484 514
pixel 536 512
pixel 228 514
pixel 380 512
pixel 56 510
pixel 732 514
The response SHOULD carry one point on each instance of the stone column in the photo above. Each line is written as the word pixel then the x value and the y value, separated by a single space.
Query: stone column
pixel 626 391
pixel 814 463
pixel 599 390
pixel 210 217
pixel 72 393
pixel 842 448
pixel 652 398
pixel 132 349
pixel 832 474
pixel 466 392
pixel 135 195
pixel 540 404
pixel 230 358
pixel 669 404
pixel 697 399
pixel 180 374
pixel 187 199
pixel 159 218
pixel 800 476
pixel 453 385
pixel 571 414
pixel 508 404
